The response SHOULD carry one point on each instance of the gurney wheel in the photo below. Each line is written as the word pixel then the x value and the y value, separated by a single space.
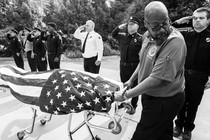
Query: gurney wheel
pixel 43 121
pixel 118 128
pixel 129 107
pixel 20 135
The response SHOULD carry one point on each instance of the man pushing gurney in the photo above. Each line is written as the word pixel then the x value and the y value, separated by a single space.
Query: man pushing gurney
pixel 60 91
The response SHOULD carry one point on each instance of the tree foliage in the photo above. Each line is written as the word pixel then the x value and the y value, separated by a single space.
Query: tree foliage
pixel 69 14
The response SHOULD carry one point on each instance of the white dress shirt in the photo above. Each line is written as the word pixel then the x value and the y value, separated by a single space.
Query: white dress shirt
pixel 94 43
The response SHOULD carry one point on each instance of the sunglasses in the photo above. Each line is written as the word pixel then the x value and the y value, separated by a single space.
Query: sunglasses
pixel 156 27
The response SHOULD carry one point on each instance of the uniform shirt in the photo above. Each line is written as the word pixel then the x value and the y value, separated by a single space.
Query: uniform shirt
pixel 167 66
pixel 27 45
pixel 54 43
pixel 129 45
pixel 38 46
pixel 15 44
pixel 198 50
pixel 94 44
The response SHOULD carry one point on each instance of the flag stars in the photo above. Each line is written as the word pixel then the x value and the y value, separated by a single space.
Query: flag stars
pixel 68 89
pixel 72 110
pixel 80 106
pixel 59 95
pixel 64 104
pixel 78 86
pixel 89 84
pixel 46 107
pixel 54 81
pixel 75 79
pixel 95 87
pixel 58 108
pixel 73 73
pixel 82 93
pixel 72 97
pixel 87 103
pixel 91 91
pixel 55 112
pixel 48 93
pixel 96 100
pixel 108 99
pixel 85 78
pixel 65 82
pixel 63 75
pixel 56 88
pixel 109 92
pixel 106 86
pixel 51 101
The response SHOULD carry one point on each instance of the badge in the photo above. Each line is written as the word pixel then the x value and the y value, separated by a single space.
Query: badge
pixel 207 39
pixel 120 33
pixel 152 51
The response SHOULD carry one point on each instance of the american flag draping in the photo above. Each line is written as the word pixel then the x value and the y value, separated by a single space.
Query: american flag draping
pixel 60 91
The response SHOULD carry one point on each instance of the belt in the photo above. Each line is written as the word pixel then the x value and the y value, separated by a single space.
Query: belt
pixel 191 72
pixel 128 64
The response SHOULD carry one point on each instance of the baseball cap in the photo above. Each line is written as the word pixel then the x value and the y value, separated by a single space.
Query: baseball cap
pixel 52 24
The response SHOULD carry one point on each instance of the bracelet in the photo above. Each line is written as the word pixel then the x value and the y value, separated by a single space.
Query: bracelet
pixel 124 95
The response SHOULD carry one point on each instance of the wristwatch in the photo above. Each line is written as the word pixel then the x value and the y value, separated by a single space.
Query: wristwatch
pixel 124 95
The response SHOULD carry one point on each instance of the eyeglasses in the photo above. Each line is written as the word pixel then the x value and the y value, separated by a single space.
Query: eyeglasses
pixel 156 27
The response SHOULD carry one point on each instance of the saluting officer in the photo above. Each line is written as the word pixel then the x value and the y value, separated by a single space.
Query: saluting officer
pixel 92 46
pixel 129 45
pixel 39 51
pixel 54 45
pixel 16 48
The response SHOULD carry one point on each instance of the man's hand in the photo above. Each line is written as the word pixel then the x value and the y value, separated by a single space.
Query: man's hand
pixel 32 55
pixel 122 26
pixel 97 63
pixel 128 84
pixel 118 95
pixel 56 59
pixel 18 54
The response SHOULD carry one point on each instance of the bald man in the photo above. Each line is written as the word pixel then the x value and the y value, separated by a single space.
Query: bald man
pixel 92 46
pixel 160 76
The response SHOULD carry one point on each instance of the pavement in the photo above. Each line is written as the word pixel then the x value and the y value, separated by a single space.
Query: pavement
pixel 15 115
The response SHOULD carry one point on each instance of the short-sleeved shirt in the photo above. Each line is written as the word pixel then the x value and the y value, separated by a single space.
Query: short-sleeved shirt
pixel 94 44
pixel 167 66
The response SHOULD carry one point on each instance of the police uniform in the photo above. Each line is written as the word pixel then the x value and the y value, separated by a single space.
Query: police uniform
pixel 93 49
pixel 129 46
pixel 16 47
pixel 196 75
pixel 54 45
pixel 39 52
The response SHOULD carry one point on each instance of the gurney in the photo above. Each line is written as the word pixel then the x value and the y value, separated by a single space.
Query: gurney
pixel 61 92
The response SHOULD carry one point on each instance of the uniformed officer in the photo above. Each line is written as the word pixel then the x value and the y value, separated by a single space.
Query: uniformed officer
pixel 129 45
pixel 92 46
pixel 16 48
pixel 196 69
pixel 160 75
pixel 28 48
pixel 54 45
pixel 39 49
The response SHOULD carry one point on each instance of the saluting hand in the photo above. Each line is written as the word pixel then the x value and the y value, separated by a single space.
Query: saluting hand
pixel 122 26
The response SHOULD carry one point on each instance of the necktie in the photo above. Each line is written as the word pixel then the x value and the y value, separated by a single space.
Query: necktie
pixel 83 47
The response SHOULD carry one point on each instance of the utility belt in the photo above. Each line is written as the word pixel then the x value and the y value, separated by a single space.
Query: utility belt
pixel 126 64
pixel 192 72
